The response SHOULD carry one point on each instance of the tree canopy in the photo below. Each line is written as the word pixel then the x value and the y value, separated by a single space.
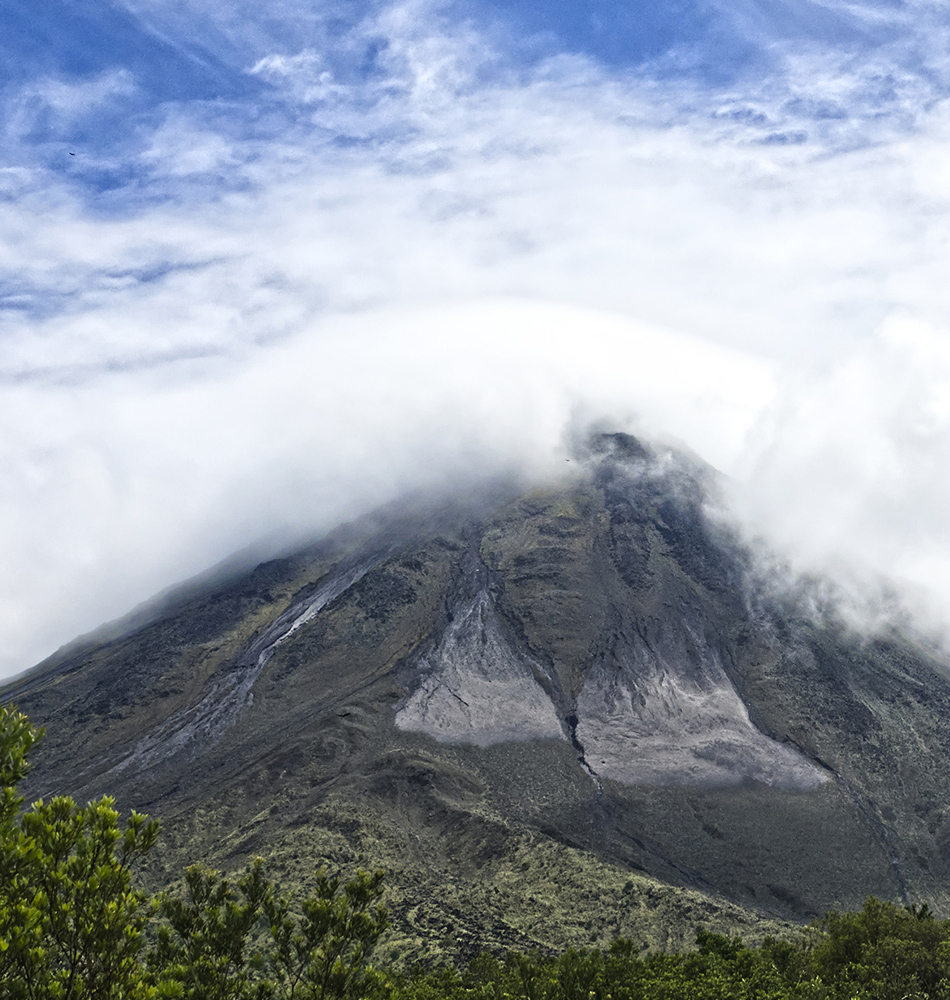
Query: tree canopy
pixel 73 925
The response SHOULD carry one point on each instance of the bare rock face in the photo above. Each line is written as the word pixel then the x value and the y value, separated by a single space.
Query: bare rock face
pixel 667 714
pixel 474 688
pixel 586 668
pixel 663 714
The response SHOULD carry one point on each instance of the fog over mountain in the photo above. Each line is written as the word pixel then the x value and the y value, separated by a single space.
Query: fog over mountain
pixel 263 271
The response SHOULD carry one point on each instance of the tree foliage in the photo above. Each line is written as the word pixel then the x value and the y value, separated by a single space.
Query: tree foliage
pixel 72 924
pixel 82 920
pixel 203 942
pixel 883 952
pixel 74 927
pixel 321 953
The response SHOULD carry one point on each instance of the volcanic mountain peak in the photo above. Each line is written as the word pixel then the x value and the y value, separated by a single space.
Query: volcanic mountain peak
pixel 578 665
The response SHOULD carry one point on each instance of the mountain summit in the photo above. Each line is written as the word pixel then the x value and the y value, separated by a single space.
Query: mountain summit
pixel 554 717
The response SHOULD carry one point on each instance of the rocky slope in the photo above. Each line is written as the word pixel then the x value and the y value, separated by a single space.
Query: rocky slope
pixel 553 717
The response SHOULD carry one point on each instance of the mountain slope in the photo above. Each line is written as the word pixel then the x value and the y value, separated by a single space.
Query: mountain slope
pixel 546 714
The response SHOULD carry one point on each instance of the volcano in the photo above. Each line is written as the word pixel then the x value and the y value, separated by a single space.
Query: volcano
pixel 553 716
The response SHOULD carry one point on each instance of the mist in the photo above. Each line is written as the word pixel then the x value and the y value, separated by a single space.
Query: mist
pixel 258 317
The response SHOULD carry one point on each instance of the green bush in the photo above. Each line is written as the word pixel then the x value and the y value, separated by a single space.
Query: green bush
pixel 72 926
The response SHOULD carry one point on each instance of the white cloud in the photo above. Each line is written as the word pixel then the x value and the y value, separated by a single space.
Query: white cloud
pixel 856 455
pixel 428 273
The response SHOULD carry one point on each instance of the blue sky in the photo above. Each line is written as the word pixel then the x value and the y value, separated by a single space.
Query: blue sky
pixel 263 266
pixel 129 63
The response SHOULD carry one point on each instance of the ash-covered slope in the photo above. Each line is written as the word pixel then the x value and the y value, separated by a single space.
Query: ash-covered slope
pixel 585 670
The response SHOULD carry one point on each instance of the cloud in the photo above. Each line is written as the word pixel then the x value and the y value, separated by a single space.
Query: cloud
pixel 285 311
pixel 847 476
pixel 124 477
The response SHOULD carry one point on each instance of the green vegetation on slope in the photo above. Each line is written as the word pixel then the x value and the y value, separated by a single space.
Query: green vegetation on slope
pixel 461 877
pixel 884 952
pixel 73 927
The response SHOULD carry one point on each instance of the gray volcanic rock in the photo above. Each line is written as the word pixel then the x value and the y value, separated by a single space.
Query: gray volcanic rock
pixel 667 714
pixel 475 689
pixel 586 673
